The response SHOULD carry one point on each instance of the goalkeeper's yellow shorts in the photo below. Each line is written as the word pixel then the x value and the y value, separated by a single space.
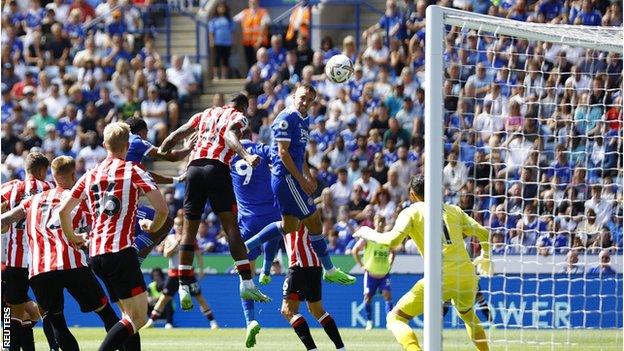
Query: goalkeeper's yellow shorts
pixel 461 290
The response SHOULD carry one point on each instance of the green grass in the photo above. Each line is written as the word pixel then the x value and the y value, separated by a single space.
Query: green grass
pixel 355 340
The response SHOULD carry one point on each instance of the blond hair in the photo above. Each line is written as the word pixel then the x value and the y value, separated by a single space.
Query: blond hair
pixel 63 165
pixel 116 136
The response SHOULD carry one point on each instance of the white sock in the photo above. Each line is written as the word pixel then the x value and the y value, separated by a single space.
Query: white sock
pixel 331 271
pixel 248 283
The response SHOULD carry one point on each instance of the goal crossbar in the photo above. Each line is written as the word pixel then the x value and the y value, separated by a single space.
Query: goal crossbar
pixel 590 37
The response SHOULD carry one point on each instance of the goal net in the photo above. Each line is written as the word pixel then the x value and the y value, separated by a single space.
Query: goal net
pixel 528 120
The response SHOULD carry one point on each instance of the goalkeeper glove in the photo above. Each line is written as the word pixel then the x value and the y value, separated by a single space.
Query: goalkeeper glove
pixel 484 266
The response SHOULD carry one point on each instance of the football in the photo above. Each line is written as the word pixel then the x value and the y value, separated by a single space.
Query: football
pixel 339 68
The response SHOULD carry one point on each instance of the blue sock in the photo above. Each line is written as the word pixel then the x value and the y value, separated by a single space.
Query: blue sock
pixel 248 310
pixel 369 311
pixel 388 306
pixel 270 232
pixel 142 241
pixel 270 250
pixel 320 247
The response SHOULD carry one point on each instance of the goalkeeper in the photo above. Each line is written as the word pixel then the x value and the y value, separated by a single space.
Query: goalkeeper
pixel 459 281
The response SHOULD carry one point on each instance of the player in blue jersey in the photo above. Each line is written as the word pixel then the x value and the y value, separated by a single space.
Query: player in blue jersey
pixel 256 210
pixel 293 184
pixel 139 148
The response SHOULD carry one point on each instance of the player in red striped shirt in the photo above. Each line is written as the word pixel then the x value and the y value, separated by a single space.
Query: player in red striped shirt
pixel 208 178
pixel 303 283
pixel 111 191
pixel 56 263
pixel 15 274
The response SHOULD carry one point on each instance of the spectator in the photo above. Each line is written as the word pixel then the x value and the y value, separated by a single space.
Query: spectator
pixel 304 53
pixel 58 46
pixel 604 267
pixel 277 52
pixel 368 184
pixel 43 120
pixel 68 123
pixel 601 207
pixel 339 156
pixel 572 265
pixel 93 153
pixel 254 22
pixel 221 29
pixel 154 112
pixel 87 12
pixel 455 176
pixel 391 23
pixel 168 93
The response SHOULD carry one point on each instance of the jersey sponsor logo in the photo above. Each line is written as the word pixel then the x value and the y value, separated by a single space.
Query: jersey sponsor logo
pixel 305 135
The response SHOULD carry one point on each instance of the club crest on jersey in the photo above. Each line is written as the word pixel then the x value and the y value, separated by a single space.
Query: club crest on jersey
pixel 283 125
pixel 310 201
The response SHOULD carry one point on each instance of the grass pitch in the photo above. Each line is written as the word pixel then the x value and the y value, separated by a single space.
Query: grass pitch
pixel 159 339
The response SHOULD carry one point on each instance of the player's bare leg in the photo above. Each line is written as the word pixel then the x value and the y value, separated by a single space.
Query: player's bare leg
pixel 238 251
pixel 17 315
pixel 187 253
pixel 327 322
pixel 290 311
pixel 134 317
pixel 205 309
pixel 157 311
pixel 315 229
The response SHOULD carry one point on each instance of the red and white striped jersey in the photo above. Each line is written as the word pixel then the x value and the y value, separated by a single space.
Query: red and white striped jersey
pixel 13 193
pixel 212 125
pixel 299 249
pixel 111 191
pixel 49 248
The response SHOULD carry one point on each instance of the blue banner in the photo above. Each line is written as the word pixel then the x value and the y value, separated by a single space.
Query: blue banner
pixel 529 301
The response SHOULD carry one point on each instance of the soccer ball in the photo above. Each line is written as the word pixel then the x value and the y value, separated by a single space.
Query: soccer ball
pixel 339 69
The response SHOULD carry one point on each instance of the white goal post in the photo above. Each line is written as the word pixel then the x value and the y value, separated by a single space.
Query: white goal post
pixel 608 39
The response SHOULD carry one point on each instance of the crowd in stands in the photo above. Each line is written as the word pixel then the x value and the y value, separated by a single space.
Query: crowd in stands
pixel 533 146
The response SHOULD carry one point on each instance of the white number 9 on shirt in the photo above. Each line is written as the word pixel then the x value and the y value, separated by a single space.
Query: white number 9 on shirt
pixel 244 169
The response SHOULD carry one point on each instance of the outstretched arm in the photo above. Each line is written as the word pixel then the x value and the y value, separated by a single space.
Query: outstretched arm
pixel 174 155
pixel 172 139
pixel 392 238
pixel 233 142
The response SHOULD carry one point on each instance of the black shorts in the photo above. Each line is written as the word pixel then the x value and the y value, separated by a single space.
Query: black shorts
pixel 172 284
pixel 15 285
pixel 222 55
pixel 120 272
pixel 81 284
pixel 303 284
pixel 208 180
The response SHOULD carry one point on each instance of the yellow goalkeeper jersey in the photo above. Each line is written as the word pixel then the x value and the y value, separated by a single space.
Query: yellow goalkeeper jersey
pixel 457 224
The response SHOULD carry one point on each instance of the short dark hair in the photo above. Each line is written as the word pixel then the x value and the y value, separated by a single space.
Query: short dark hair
pixel 36 161
pixel 417 185
pixel 136 124
pixel 240 101
pixel 308 87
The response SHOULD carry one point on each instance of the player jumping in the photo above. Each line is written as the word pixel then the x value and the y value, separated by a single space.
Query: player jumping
pixel 256 210
pixel 15 272
pixel 293 184
pixel 138 148
pixel 459 281
pixel 55 263
pixel 377 263
pixel 303 283
pixel 171 250
pixel 208 178
pixel 111 191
